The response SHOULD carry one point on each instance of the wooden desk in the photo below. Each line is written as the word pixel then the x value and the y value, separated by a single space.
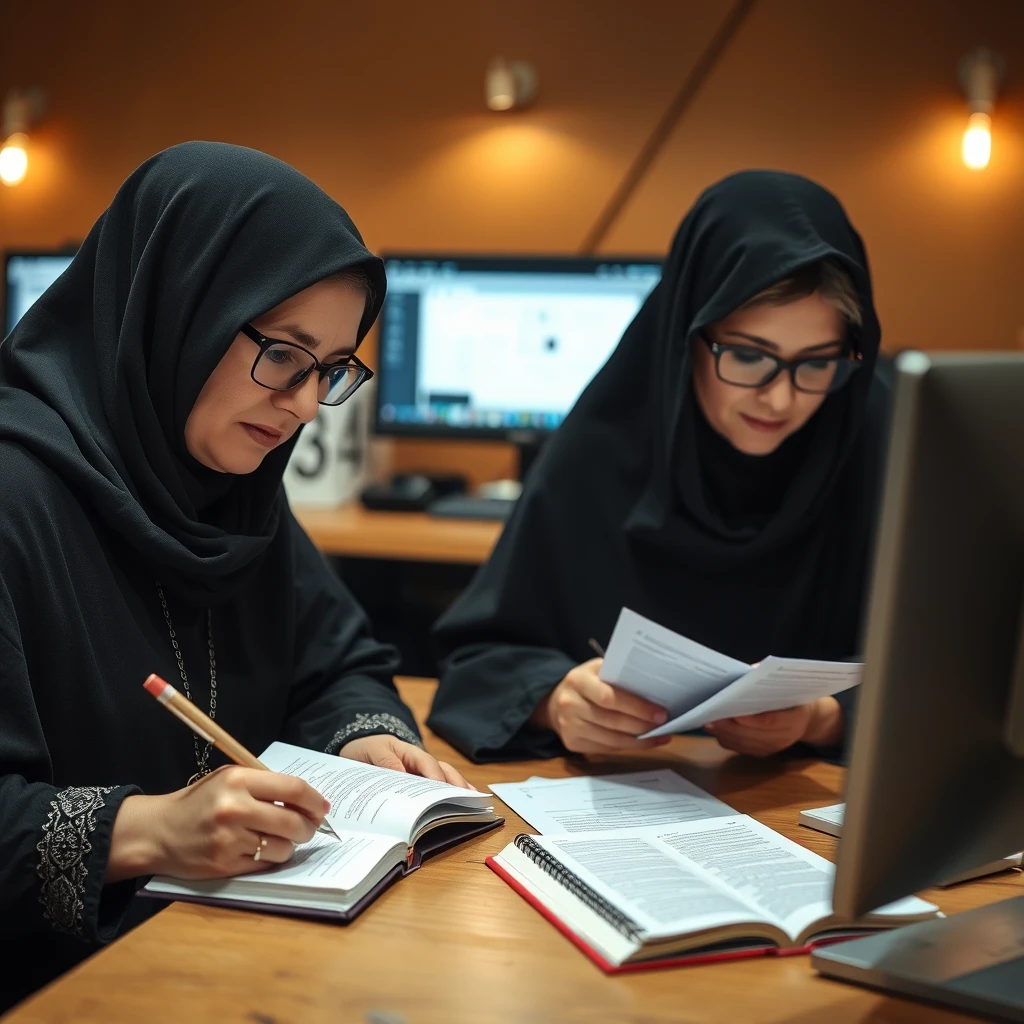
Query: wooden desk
pixel 409 536
pixel 453 943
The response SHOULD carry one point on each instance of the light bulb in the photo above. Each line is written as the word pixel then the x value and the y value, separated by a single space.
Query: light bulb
pixel 500 86
pixel 509 84
pixel 977 144
pixel 14 159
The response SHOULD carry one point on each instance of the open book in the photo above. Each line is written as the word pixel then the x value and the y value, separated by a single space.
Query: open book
pixel 697 685
pixel 711 889
pixel 385 822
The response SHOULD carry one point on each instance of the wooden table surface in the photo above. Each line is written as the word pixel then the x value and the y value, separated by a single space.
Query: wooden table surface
pixel 453 943
pixel 408 536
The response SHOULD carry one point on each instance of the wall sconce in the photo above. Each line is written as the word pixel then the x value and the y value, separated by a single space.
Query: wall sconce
pixel 981 71
pixel 509 84
pixel 22 109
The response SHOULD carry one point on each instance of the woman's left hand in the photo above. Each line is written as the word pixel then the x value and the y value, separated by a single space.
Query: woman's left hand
pixel 820 724
pixel 391 752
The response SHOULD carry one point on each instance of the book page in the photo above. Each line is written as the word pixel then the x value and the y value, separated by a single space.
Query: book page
pixel 327 862
pixel 775 684
pixel 790 885
pixel 673 881
pixel 366 798
pixel 331 862
pixel 650 882
pixel 661 666
pixel 607 802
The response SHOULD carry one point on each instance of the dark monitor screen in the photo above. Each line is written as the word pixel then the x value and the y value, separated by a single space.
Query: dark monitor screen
pixel 492 347
pixel 26 276
pixel 936 784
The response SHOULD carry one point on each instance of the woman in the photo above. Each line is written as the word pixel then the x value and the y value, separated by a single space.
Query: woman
pixel 148 404
pixel 719 475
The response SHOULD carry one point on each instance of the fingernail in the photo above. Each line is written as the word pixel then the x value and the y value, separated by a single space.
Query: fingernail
pixel 662 740
pixel 660 717
pixel 327 805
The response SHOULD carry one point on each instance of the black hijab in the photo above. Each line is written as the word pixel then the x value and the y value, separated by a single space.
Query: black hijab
pixel 636 501
pixel 100 375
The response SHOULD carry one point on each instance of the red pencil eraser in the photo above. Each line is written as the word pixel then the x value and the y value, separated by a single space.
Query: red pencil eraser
pixel 155 685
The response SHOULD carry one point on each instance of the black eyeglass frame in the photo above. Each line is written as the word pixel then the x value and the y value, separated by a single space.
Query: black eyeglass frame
pixel 322 369
pixel 846 366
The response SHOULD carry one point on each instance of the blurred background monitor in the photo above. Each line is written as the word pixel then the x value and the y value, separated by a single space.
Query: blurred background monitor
pixel 498 347
pixel 26 276
pixel 936 782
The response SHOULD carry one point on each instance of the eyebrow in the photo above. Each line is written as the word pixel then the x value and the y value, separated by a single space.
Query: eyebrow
pixel 303 337
pixel 775 348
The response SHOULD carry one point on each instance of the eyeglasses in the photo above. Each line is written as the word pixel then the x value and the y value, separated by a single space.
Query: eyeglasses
pixel 748 367
pixel 283 365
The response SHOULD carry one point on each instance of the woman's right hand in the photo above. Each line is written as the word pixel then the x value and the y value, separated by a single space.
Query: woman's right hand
pixel 213 828
pixel 594 717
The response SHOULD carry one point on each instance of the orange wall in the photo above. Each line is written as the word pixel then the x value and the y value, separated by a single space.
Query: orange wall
pixel 382 105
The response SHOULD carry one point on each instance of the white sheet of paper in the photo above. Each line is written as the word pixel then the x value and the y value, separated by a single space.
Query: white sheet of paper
pixel 609 802
pixel 697 685
pixel 661 666
pixel 775 684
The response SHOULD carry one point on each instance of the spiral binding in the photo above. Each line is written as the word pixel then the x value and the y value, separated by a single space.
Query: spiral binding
pixel 552 866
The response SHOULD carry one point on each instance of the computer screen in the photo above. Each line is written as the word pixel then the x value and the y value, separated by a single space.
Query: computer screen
pixel 493 347
pixel 26 276
pixel 936 780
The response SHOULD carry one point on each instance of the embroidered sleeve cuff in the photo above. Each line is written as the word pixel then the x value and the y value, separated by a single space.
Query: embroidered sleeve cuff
pixel 372 725
pixel 73 852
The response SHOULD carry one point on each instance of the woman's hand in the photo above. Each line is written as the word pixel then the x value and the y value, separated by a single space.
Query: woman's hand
pixel 593 717
pixel 820 724
pixel 213 828
pixel 391 752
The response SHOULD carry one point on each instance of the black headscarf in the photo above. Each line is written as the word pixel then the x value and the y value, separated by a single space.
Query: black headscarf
pixel 100 375
pixel 636 501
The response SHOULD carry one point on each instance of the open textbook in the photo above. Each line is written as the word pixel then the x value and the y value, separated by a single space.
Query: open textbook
pixel 711 889
pixel 385 823
pixel 697 685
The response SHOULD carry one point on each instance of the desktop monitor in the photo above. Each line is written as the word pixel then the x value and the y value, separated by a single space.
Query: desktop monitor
pixel 936 778
pixel 26 276
pixel 498 347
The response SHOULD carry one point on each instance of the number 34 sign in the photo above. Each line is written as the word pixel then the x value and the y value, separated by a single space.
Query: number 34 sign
pixel 329 464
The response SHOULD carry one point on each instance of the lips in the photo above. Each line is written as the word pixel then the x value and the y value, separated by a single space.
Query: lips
pixel 263 435
pixel 765 426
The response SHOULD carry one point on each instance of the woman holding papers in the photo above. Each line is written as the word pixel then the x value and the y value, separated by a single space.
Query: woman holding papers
pixel 148 404
pixel 719 475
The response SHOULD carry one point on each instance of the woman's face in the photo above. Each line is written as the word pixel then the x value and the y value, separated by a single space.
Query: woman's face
pixel 235 421
pixel 757 420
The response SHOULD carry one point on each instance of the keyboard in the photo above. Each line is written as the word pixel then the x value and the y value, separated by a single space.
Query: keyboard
pixel 465 506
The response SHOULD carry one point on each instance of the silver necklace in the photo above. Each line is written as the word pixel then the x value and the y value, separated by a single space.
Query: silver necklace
pixel 202 760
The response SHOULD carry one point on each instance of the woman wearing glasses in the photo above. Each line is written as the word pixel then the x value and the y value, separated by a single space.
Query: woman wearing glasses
pixel 719 475
pixel 148 404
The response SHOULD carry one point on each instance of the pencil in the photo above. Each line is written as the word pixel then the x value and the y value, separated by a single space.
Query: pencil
pixel 206 728
pixel 201 724
pixel 596 647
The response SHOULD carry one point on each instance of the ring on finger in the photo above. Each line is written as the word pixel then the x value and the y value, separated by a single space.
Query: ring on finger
pixel 259 849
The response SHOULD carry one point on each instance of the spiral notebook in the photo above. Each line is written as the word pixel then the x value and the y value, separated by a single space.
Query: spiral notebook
pixel 716 889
